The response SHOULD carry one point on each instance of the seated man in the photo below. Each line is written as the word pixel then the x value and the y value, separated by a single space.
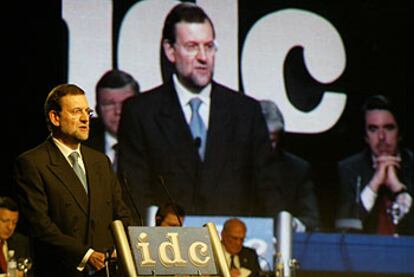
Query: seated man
pixel 9 239
pixel 293 173
pixel 170 215
pixel 376 184
pixel 242 261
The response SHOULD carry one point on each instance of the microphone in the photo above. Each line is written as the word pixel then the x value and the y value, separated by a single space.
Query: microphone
pixel 162 182
pixel 108 260
pixel 128 192
pixel 197 142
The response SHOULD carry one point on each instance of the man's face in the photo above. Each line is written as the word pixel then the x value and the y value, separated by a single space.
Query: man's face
pixel 381 131
pixel 233 238
pixel 110 106
pixel 171 220
pixel 8 222
pixel 72 120
pixel 193 54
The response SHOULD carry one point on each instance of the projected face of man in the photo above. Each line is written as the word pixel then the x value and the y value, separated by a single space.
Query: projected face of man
pixel 110 102
pixel 382 134
pixel 193 54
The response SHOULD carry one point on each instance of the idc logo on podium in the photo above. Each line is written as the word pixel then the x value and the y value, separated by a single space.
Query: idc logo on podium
pixel 154 251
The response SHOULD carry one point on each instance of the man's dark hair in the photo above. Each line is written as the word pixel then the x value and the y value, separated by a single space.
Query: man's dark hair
pixel 184 12
pixel 168 208
pixel 116 78
pixel 380 102
pixel 8 203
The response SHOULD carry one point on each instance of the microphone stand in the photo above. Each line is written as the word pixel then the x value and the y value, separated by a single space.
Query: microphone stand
pixel 128 191
pixel 162 181
pixel 107 257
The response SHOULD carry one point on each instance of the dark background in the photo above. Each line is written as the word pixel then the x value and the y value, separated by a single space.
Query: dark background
pixel 376 35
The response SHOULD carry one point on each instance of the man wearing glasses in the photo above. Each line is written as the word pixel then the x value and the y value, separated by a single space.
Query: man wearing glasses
pixel 68 192
pixel 193 139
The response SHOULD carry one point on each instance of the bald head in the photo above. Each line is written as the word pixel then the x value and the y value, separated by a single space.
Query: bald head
pixel 233 235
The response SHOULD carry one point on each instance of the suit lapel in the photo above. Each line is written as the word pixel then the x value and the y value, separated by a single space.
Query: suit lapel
pixel 93 172
pixel 64 172
pixel 173 125
pixel 219 133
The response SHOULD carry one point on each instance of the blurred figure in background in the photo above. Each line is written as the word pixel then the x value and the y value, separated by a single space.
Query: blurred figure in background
pixel 208 142
pixel 9 239
pixel 292 173
pixel 114 87
pixel 376 184
pixel 170 215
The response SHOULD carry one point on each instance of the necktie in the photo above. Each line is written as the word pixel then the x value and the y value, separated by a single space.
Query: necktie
pixel 115 161
pixel 385 224
pixel 232 264
pixel 3 264
pixel 197 126
pixel 73 157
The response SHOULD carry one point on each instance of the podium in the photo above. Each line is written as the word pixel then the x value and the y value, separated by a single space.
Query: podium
pixel 169 251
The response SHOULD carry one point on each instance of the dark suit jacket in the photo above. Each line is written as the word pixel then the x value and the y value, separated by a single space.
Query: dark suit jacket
pixel 248 259
pixel 155 140
pixel 64 222
pixel 294 175
pixel 360 165
pixel 96 138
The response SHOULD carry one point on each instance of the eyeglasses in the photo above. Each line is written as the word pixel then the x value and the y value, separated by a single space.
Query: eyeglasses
pixel 78 112
pixel 193 49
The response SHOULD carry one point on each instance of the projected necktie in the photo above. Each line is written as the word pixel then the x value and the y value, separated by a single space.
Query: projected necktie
pixel 115 161
pixel 197 126
pixel 73 157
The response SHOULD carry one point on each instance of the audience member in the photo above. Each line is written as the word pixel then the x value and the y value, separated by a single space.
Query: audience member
pixel 215 159
pixel 9 239
pixel 242 261
pixel 111 91
pixel 376 184
pixel 68 192
pixel 170 215
pixel 293 173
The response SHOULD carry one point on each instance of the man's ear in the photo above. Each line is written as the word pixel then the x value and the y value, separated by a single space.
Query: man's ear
pixel 54 118
pixel 169 51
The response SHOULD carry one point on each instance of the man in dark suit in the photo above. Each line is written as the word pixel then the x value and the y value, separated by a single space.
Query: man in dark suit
pixel 112 89
pixel 293 172
pixel 242 261
pixel 200 142
pixel 377 184
pixel 68 192
pixel 9 239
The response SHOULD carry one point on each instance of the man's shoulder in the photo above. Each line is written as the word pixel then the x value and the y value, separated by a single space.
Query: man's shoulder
pixel 147 99
pixel 295 159
pixel 36 152
pixel 238 96
pixel 355 159
pixel 248 251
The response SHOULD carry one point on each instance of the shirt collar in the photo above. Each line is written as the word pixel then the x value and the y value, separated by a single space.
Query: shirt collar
pixel 185 95
pixel 66 151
